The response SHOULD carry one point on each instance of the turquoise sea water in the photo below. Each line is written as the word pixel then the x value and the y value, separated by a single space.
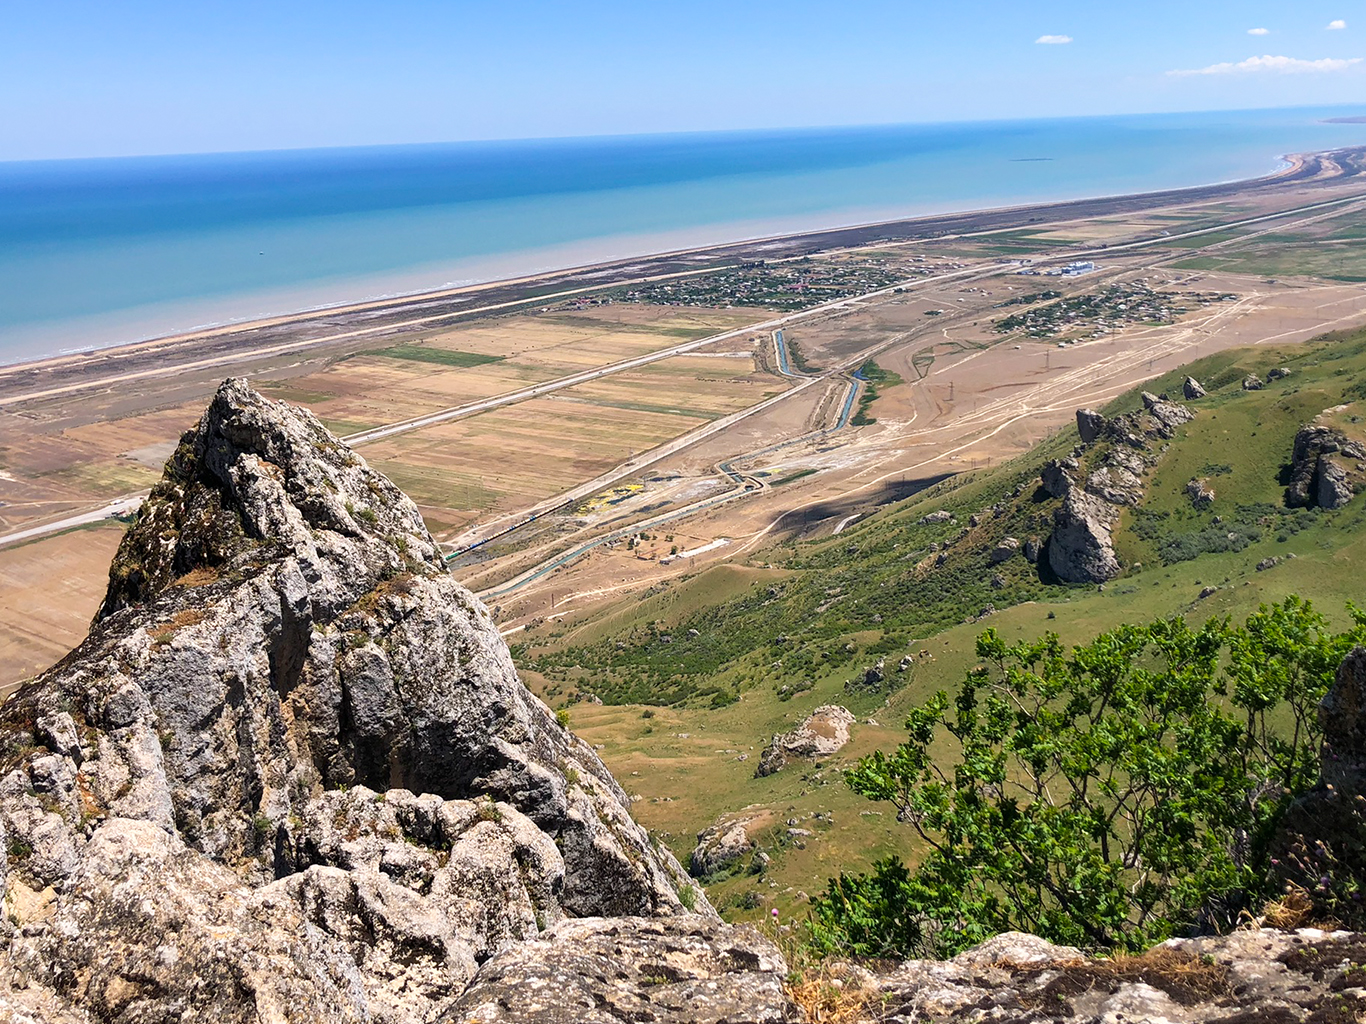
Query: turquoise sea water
pixel 98 252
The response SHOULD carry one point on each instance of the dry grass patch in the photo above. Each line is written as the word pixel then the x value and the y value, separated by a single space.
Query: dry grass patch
pixel 1186 978
pixel 824 995
pixel 200 576
pixel 162 631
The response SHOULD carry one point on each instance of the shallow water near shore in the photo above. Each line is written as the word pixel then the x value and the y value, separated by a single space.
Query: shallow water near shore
pixel 101 252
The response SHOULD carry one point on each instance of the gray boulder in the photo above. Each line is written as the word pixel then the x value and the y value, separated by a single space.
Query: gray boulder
pixel 1192 389
pixel 1167 415
pixel 1004 550
pixel 623 971
pixel 1090 425
pixel 1081 548
pixel 1056 476
pixel 1200 493
pixel 1116 485
pixel 825 732
pixel 721 844
pixel 1252 383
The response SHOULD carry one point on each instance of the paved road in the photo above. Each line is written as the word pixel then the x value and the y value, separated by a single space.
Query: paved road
pixel 120 507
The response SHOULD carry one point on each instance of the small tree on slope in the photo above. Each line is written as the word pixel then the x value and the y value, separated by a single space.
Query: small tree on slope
pixel 1106 797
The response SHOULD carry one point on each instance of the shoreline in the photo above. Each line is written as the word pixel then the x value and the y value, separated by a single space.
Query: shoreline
pixel 292 330
pixel 1291 163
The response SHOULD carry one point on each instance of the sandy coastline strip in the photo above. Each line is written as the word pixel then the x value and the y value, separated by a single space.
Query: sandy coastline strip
pixel 60 375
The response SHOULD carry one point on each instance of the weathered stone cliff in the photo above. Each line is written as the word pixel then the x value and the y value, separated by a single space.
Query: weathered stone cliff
pixel 292 774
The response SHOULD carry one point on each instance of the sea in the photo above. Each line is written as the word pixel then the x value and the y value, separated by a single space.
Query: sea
pixel 99 252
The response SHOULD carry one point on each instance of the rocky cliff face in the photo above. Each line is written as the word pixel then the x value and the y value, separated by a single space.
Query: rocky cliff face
pixel 292 775
pixel 1326 466
pixel 1081 547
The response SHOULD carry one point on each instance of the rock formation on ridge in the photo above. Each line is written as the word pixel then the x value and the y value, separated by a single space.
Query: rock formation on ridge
pixel 1081 546
pixel 823 733
pixel 291 775
pixel 1324 465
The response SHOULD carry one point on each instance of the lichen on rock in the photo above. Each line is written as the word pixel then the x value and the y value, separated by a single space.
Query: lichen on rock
pixel 292 773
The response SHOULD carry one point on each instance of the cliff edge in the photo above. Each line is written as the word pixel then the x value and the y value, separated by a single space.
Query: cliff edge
pixel 292 775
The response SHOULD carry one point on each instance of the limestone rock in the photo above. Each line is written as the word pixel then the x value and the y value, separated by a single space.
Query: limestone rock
pixel 933 518
pixel 1319 471
pixel 684 970
pixel 1245 976
pixel 1016 948
pixel 722 844
pixel 1031 550
pixel 1056 478
pixel 1004 550
pixel 292 774
pixel 1334 489
pixel 1200 493
pixel 1279 373
pixel 823 733
pixel 1192 389
pixel 1252 383
pixel 1321 845
pixel 1167 415
pixel 1081 548
pixel 1116 485
pixel 1090 425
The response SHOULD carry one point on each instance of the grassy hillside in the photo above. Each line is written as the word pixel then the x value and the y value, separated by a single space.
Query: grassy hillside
pixel 730 656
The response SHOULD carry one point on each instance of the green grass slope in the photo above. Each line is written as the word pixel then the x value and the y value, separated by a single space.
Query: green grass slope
pixel 697 676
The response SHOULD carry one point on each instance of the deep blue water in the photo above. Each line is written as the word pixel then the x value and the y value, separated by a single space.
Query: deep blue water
pixel 97 252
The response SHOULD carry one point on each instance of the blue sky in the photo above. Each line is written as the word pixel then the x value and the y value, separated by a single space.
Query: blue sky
pixel 80 78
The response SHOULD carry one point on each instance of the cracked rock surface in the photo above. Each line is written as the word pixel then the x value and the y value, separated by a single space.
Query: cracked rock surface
pixel 292 774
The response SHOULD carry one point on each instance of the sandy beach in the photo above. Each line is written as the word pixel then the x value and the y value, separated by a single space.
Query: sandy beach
pixel 228 344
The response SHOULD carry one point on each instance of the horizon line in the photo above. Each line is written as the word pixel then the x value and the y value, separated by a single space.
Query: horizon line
pixel 621 136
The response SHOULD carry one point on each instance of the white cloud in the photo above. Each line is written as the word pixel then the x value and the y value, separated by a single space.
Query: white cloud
pixel 1336 25
pixel 1053 40
pixel 1259 31
pixel 1279 65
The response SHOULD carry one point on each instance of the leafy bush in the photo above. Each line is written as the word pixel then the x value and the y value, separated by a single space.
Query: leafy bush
pixel 1107 797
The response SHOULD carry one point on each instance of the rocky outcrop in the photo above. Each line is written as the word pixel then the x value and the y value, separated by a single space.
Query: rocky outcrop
pixel 1192 389
pixel 1166 416
pixel 292 774
pixel 1322 467
pixel 1116 485
pixel 823 733
pixel 624 971
pixel 1090 425
pixel 1081 548
pixel 1200 493
pixel 1246 976
pixel 1057 476
pixel 1278 373
pixel 1253 383
pixel 722 844
pixel 1005 550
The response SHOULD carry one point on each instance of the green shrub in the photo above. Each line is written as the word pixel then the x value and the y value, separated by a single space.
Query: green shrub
pixel 1107 797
